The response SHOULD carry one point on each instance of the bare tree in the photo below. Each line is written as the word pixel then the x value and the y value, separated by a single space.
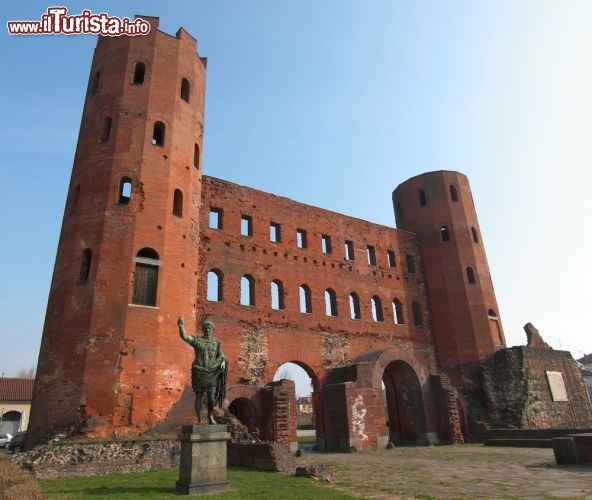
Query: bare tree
pixel 26 373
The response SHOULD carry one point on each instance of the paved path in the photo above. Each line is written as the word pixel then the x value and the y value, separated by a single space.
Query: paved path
pixel 446 472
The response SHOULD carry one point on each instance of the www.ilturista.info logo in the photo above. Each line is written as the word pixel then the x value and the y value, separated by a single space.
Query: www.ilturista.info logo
pixel 57 21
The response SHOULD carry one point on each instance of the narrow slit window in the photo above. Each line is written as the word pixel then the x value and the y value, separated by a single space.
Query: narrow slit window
pixel 305 299
pixel 349 250
pixel 125 191
pixel 423 200
pixel 275 234
pixel 326 244
pixel 196 156
pixel 246 225
pixel 247 291
pixel 214 285
pixel 453 193
pixel 95 83
pixel 106 133
pixel 185 89
pixel 371 255
pixel 417 314
pixel 215 218
pixel 410 264
pixel 392 262
pixel 377 314
pixel 85 262
pixel 301 238
pixel 471 276
pixel 178 203
pixel 398 312
pixel 354 306
pixel 158 134
pixel 277 295
pixel 445 233
pixel 330 302
pixel 146 278
pixel 139 71
pixel 474 234
pixel 74 199
pixel 491 313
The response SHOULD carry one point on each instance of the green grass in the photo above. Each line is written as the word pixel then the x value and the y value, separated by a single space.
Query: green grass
pixel 307 440
pixel 160 484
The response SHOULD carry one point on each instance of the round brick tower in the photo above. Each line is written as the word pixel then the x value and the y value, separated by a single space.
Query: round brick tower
pixel 438 207
pixel 111 361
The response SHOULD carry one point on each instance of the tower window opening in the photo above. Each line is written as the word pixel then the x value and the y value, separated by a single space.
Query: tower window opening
pixel 398 312
pixel 85 266
pixel 215 218
pixel 453 193
pixel 471 276
pixel 185 89
pixel 139 71
pixel 305 299
pixel 125 191
pixel 474 233
pixel 417 314
pixel 371 255
pixel 247 291
pixel 106 133
pixel 349 250
pixel 178 203
pixel 326 244
pixel 392 262
pixel 377 314
pixel 277 295
pixel 215 290
pixel 196 156
pixel 95 83
pixel 301 238
pixel 74 199
pixel 354 306
pixel 330 302
pixel 423 200
pixel 246 225
pixel 491 313
pixel 158 134
pixel 410 264
pixel 146 278
pixel 275 233
pixel 445 233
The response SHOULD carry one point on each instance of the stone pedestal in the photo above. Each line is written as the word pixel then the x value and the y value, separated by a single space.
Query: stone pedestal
pixel 203 460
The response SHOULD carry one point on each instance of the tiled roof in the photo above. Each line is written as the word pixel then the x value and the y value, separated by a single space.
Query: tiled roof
pixel 16 389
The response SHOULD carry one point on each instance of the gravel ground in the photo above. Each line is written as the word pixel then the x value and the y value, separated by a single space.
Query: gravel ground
pixel 446 472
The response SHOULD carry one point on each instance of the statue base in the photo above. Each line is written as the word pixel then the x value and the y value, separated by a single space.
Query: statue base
pixel 202 470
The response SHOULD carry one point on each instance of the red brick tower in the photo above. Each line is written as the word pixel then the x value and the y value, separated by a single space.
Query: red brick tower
pixel 438 207
pixel 111 361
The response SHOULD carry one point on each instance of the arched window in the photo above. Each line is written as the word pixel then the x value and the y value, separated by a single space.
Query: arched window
pixel 139 71
pixel 417 314
pixel 305 300
pixel 158 134
pixel 471 276
pixel 376 304
pixel 445 233
pixel 330 302
pixel 474 233
pixel 146 277
pixel 185 89
pixel 85 266
pixel 354 306
pixel 106 133
pixel 214 286
pixel 453 193
pixel 125 191
pixel 398 312
pixel 74 199
pixel 95 83
pixel 277 295
pixel 491 313
pixel 410 264
pixel 196 156
pixel 178 203
pixel 247 291
pixel 423 199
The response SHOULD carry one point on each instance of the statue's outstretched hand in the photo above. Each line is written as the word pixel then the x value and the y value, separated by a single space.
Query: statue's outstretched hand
pixel 180 321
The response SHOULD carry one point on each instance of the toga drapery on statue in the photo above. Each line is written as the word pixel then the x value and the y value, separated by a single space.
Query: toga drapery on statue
pixel 209 369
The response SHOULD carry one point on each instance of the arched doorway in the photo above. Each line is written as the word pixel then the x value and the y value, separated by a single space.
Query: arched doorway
pixel 11 422
pixel 404 404
pixel 244 410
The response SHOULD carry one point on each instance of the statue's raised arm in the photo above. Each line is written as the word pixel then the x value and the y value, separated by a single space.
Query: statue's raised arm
pixel 183 333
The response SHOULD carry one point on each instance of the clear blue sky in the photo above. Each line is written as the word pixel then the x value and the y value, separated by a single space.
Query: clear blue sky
pixel 334 103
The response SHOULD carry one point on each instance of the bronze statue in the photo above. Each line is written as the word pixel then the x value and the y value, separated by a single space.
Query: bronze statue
pixel 209 369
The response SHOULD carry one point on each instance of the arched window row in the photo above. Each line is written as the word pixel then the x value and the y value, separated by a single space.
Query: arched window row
pixel 215 293
pixel 423 197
